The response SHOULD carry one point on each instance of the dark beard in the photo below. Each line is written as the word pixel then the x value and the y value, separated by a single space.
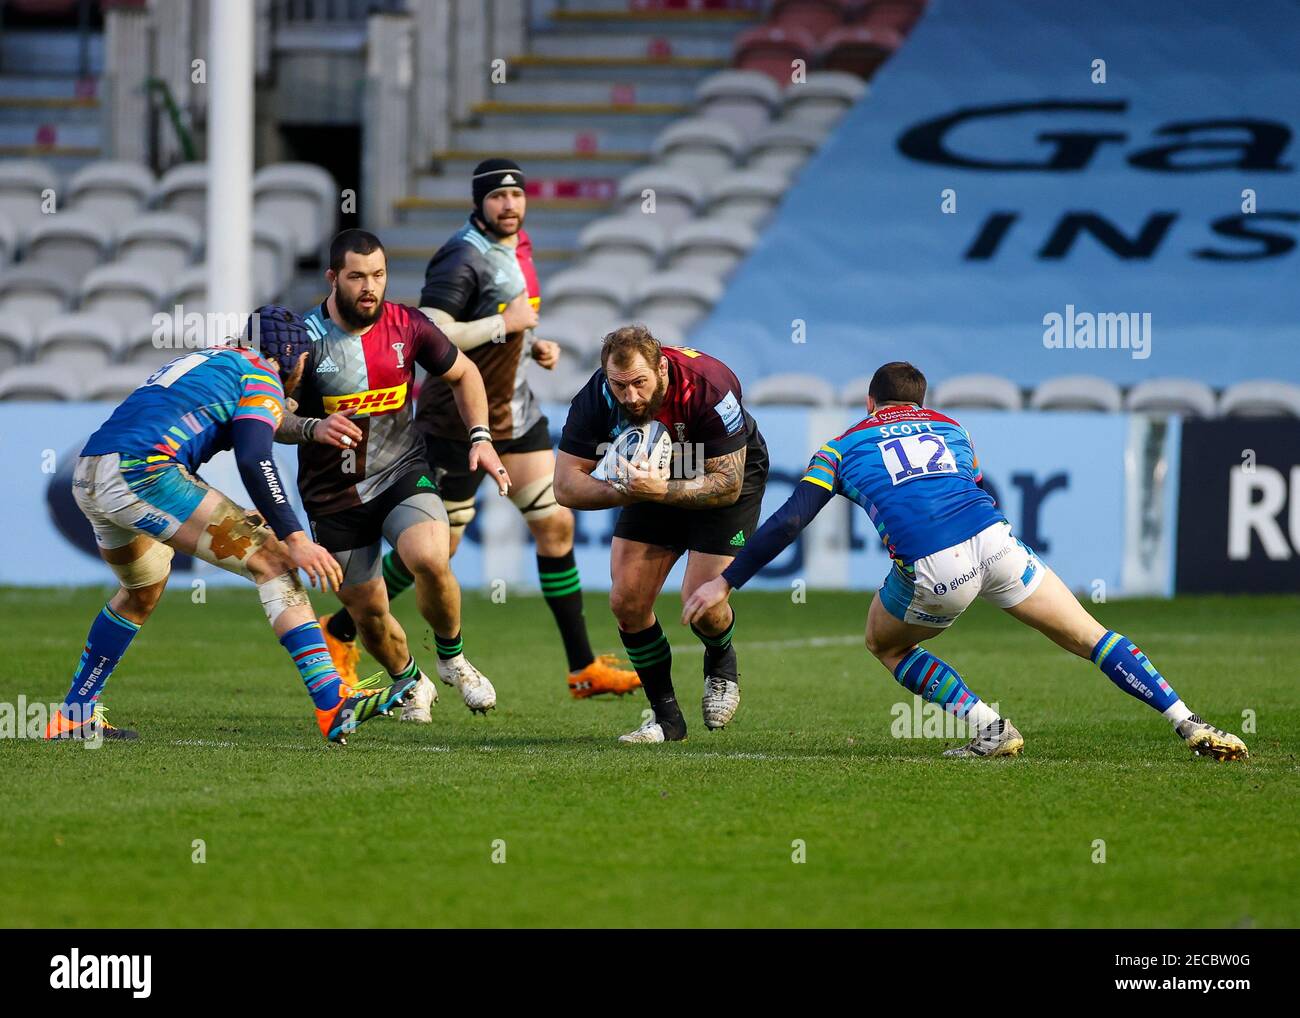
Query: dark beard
pixel 651 408
pixel 353 317
pixel 492 228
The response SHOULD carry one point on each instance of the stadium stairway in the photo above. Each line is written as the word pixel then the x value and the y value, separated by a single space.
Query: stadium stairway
pixel 576 123
pixel 48 109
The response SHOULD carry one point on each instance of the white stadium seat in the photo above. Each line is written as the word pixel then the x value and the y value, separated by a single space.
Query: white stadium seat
pixel 790 389
pixel 783 147
pixel 1076 392
pixel 184 189
pixel 302 197
pixel 823 98
pixel 702 148
pixel 710 247
pixel 80 341
pixel 68 244
pixel 164 241
pixel 149 345
pixel 587 294
pixel 744 99
pixel 853 393
pixel 1261 398
pixel 17 341
pixel 674 298
pixel 31 293
pixel 975 392
pixel 189 290
pixel 39 383
pixel 8 240
pixel 22 183
pixel 114 383
pixel 1184 396
pixel 273 261
pixel 677 195
pixel 666 332
pixel 127 294
pixel 748 197
pixel 561 384
pixel 579 338
pixel 631 243
pixel 114 192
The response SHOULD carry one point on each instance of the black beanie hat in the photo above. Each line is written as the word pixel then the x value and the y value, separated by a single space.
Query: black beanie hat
pixel 491 174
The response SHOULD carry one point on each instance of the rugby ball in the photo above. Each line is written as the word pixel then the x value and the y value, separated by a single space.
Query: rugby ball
pixel 641 444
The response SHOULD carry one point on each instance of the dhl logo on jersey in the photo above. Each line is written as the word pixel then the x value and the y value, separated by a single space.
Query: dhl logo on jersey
pixel 368 403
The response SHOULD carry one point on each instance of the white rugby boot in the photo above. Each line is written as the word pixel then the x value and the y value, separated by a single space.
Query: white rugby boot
pixel 1204 739
pixel 997 738
pixel 721 698
pixel 424 696
pixel 475 689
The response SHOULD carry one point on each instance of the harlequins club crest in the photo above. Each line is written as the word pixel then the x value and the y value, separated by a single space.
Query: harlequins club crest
pixel 397 349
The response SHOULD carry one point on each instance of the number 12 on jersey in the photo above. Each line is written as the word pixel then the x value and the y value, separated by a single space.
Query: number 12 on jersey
pixel 912 456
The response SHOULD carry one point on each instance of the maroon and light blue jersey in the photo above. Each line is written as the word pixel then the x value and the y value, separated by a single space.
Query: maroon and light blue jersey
pixel 371 377
pixel 915 473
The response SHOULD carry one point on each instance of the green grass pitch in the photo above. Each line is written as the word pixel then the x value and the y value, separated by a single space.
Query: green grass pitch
pixel 401 827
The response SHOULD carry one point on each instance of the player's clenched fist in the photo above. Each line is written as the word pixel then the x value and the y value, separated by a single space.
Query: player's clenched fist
pixel 320 566
pixel 519 314
pixel 339 431
pixel 546 353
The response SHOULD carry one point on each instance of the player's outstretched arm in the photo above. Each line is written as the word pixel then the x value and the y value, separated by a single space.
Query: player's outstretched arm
pixel 775 535
pixel 337 430
pixel 575 488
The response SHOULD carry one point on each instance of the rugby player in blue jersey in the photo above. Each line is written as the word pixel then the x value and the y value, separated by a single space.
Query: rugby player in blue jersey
pixel 135 481
pixel 915 473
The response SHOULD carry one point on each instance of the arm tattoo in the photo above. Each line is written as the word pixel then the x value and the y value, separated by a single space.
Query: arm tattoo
pixel 720 485
pixel 295 430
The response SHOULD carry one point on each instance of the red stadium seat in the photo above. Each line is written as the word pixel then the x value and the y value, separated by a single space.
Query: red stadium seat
pixel 771 48
pixel 858 49
pixel 816 17
pixel 900 15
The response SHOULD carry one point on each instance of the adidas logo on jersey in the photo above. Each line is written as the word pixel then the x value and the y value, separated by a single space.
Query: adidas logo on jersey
pixel 327 366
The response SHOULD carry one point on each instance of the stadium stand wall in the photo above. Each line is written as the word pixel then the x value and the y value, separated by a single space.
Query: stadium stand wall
pixel 1119 197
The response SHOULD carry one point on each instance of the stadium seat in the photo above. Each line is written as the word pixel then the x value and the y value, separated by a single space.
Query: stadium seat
pixel 1184 396
pixel 666 332
pixel 113 192
pixel 148 345
pixel 747 197
pixel 816 17
pixel 1077 392
pixel 674 298
pixel 22 182
pixel 772 49
pixel 858 49
pixel 853 393
pixel 974 392
pixel 790 389
pixel 823 98
pixel 67 244
pixel 781 148
pixel 184 189
pixel 127 294
pixel 579 338
pixel 746 100
pixel 709 247
pixel 631 243
pixel 31 293
pixel 114 383
pixel 163 241
pixel 677 195
pixel 561 384
pixel 1260 398
pixel 698 147
pixel 274 259
pixel 8 241
pixel 189 289
pixel 587 294
pixel 39 383
pixel 80 341
pixel 17 341
pixel 301 196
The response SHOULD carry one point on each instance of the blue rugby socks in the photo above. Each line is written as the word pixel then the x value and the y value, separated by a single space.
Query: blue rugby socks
pixel 306 646
pixel 110 635
pixel 1125 665
pixel 936 681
